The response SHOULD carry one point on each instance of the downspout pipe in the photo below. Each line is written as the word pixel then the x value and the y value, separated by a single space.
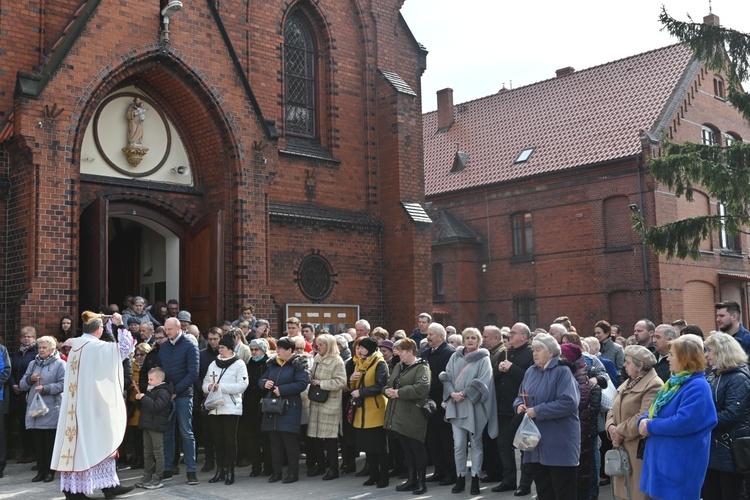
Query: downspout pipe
pixel 644 249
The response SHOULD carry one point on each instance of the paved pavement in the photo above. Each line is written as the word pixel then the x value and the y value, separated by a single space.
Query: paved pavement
pixel 17 485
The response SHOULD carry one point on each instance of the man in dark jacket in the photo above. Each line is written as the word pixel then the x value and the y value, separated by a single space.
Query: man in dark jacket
pixel 420 332
pixel 509 374
pixel 201 420
pixel 178 357
pixel 728 315
pixel 439 439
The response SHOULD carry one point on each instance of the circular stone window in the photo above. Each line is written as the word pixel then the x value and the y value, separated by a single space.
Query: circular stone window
pixel 315 277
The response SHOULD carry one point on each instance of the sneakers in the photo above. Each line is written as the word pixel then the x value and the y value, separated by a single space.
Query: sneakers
pixel 192 478
pixel 144 481
pixel 166 475
pixel 154 484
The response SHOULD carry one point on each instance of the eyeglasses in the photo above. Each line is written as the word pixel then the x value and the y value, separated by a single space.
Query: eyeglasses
pixel 139 354
pixel 254 349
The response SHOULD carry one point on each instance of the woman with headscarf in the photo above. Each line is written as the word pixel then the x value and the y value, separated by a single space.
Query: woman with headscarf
pixel 44 375
pixel 228 374
pixel 549 395
pixel 470 405
pixel 329 374
pixel 286 378
pixel 259 448
pixel 678 425
pixel 366 383
pixel 730 385
pixel 408 390
pixel 633 399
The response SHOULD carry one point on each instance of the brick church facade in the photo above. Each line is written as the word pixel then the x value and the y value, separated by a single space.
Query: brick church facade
pixel 532 189
pixel 276 159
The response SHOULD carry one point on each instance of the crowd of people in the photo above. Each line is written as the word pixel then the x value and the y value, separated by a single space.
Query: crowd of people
pixel 672 399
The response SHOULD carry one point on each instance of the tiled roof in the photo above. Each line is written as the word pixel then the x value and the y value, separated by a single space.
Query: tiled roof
pixel 586 117
pixel 451 229
pixel 398 83
pixel 317 215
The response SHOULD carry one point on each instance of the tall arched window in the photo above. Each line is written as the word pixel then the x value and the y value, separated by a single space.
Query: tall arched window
pixel 299 77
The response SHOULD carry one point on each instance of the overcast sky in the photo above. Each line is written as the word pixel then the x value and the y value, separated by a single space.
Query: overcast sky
pixel 476 46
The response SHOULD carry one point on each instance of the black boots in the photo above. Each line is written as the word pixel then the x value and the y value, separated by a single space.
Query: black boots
pixel 221 475
pixel 385 467
pixel 411 481
pixel 230 476
pixel 474 485
pixel 421 487
pixel 460 485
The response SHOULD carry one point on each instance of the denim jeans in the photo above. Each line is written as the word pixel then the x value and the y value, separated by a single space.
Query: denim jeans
pixel 183 415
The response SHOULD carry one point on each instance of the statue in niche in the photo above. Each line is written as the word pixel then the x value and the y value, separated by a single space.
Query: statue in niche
pixel 136 116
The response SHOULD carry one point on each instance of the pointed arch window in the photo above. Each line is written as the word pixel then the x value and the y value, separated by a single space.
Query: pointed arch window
pixel 299 78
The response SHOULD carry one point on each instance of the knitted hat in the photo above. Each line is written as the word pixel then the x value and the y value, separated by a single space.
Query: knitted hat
pixel 261 344
pixel 227 341
pixel 641 354
pixel 369 343
pixel 343 343
pixel 571 352
pixel 386 343
pixel 548 342
pixel 184 316
pixel 133 321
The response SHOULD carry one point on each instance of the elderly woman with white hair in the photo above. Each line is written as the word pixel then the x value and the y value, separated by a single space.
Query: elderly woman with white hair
pixel 470 405
pixel 632 400
pixel 45 375
pixel 549 395
pixel 730 385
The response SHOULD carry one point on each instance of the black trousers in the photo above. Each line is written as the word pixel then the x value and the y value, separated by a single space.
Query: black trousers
pixel 415 454
pixel 207 437
pixel 284 443
pixel 722 485
pixel 225 439
pixel 554 483
pixel 508 455
pixel 44 442
pixel 439 443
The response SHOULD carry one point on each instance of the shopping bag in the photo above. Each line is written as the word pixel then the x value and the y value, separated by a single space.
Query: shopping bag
pixel 527 436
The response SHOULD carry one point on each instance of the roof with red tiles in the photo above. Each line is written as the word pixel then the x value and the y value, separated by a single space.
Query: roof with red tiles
pixel 583 118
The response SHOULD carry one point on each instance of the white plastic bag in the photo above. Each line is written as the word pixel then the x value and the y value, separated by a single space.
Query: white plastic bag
pixel 527 436
pixel 214 400
pixel 37 407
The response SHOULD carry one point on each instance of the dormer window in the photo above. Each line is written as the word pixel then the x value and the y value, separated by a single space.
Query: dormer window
pixel 460 160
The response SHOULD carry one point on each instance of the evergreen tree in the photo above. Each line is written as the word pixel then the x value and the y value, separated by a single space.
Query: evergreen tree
pixel 722 171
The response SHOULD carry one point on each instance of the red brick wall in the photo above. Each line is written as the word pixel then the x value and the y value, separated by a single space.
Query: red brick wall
pixel 237 169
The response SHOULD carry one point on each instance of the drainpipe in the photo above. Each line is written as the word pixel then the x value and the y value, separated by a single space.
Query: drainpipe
pixel 644 250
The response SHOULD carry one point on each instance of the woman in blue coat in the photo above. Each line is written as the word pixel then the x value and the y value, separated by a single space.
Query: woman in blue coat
pixel 285 377
pixel 550 395
pixel 678 426
pixel 730 386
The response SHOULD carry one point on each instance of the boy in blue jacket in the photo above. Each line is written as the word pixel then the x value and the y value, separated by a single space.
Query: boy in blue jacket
pixel 156 406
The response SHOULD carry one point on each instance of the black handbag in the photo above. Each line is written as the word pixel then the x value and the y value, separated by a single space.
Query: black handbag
pixel 428 408
pixel 315 393
pixel 273 405
pixel 740 448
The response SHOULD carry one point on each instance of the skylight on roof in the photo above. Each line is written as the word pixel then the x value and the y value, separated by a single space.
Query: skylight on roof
pixel 524 156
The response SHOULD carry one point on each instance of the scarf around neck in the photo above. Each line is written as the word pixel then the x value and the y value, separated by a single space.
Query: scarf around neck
pixel 668 391
pixel 362 365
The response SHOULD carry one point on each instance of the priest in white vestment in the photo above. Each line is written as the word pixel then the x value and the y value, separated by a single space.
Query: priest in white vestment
pixel 93 417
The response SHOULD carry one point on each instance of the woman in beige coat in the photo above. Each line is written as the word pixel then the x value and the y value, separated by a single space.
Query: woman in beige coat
pixel 329 374
pixel 633 399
